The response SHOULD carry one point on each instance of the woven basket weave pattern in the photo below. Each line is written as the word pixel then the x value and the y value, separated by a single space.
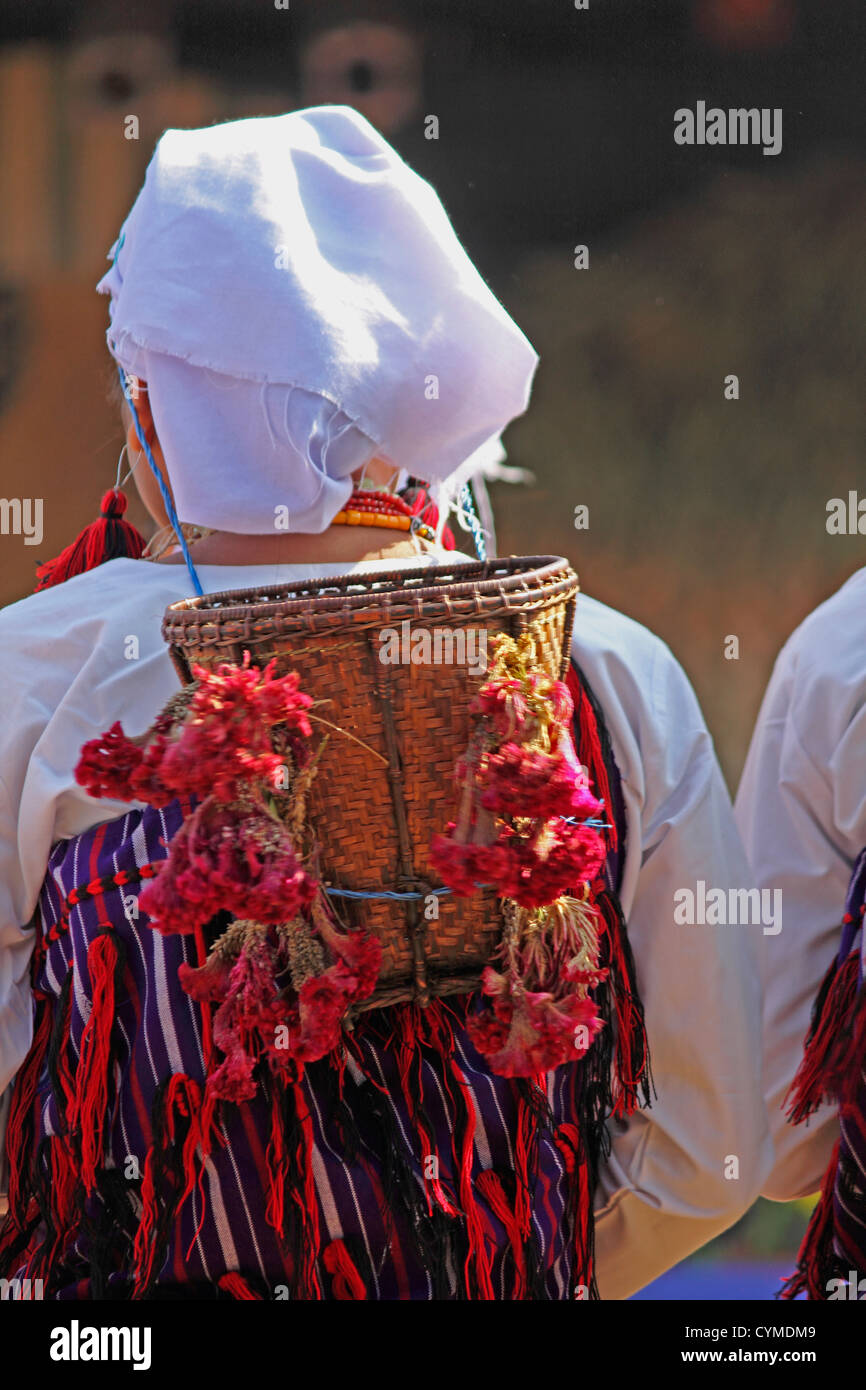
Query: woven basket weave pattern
pixel 376 816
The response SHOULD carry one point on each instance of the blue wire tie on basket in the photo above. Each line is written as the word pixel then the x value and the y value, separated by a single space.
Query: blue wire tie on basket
pixel 355 893
pixel 441 892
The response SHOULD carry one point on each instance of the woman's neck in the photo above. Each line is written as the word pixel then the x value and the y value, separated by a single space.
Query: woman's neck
pixel 339 544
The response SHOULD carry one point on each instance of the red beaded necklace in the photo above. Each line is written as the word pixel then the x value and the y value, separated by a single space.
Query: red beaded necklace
pixel 369 507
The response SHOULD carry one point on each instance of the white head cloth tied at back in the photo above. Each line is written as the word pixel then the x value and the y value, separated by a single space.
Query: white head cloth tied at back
pixel 298 302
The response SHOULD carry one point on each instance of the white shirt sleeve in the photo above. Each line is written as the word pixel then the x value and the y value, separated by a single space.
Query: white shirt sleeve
pixel 16 948
pixel 685 1169
pixel 63 680
pixel 801 810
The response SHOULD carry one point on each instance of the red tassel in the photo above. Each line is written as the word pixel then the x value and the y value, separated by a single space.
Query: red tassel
pixel 237 1286
pixel 816 1252
pixel 306 1199
pixel 348 1283
pixel 278 1169
pixel 19 1129
pixel 408 1036
pixel 11 1238
pixel 64 1179
pixel 522 1205
pixel 489 1184
pixel 477 1257
pixel 630 1061
pixel 421 504
pixel 110 537
pixel 568 1141
pixel 91 1080
pixel 310 1209
pixel 144 1248
pixel 854 1060
pixel 64 1065
pixel 831 1047
pixel 182 1099
pixel 590 748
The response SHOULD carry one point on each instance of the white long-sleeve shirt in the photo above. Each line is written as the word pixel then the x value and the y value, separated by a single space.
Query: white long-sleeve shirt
pixel 801 810
pixel 69 669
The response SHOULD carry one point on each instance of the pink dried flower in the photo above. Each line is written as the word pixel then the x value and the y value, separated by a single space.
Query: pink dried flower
pixel 250 1011
pixel 531 1032
pixel 521 782
pixel 234 858
pixel 106 764
pixel 206 983
pixel 536 871
pixel 456 864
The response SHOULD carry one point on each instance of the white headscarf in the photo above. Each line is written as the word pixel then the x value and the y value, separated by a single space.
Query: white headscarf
pixel 297 301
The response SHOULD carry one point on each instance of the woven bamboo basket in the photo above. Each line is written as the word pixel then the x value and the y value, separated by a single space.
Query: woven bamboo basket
pixel 385 780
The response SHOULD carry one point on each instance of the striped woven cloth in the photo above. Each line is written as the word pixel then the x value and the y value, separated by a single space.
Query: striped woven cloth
pixel 832 1259
pixel 408 1170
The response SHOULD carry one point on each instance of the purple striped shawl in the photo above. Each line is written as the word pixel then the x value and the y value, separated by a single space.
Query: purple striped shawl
pixel 849 1182
pixel 222 1226
pixel 832 1259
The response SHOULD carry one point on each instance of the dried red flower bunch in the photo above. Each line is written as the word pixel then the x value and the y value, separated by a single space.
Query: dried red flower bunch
pixel 212 739
pixel 283 974
pixel 521 827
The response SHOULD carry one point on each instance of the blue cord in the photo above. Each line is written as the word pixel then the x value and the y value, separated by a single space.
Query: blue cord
pixel 352 893
pixel 438 892
pixel 166 496
pixel 469 520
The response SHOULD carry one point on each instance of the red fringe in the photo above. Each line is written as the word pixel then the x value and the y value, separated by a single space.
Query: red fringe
pixel 144 1249
pixel 849 1081
pixel 91 1079
pixel 20 1129
pixel 107 538
pixel 590 747
pixel 833 1042
pixel 64 1063
pixel 181 1099
pixel 278 1169
pixel 309 1206
pixel 568 1142
pixel 430 1027
pixel 280 1165
pixel 489 1184
pixel 478 1257
pixel 64 1180
pixel 12 1230
pixel 522 1148
pixel 630 1058
pixel 348 1283
pixel 816 1258
pixel 409 1036
pixel 237 1286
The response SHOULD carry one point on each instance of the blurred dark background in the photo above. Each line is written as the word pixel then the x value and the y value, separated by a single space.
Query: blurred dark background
pixel 707 516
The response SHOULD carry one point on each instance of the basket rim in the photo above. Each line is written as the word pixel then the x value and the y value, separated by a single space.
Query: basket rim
pixel 486 581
